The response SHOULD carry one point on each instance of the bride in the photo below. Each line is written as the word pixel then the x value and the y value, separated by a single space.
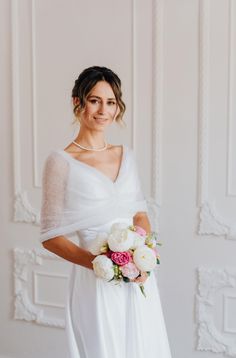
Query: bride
pixel 87 187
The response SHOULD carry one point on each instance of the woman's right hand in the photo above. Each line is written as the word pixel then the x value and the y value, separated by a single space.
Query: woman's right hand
pixel 91 257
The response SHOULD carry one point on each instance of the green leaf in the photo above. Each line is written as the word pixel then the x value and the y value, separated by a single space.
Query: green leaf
pixel 142 290
pixel 126 279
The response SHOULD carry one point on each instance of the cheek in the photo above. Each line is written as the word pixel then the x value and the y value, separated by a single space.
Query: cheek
pixel 114 110
pixel 88 110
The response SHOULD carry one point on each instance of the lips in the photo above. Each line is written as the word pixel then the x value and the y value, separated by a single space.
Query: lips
pixel 100 120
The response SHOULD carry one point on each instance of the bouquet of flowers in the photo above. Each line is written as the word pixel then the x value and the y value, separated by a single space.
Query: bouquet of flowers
pixel 124 253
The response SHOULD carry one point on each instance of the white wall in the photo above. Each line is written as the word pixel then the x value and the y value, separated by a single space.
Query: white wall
pixel 176 60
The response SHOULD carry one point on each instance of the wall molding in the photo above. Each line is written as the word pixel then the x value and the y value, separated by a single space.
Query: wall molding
pixel 37 301
pixel 23 211
pixel 37 182
pixel 211 222
pixel 15 96
pixel 25 309
pixel 157 99
pixel 134 72
pixel 231 77
pixel 227 298
pixel 203 99
pixel 210 282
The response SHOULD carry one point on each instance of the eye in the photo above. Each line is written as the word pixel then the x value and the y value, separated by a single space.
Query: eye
pixel 93 101
pixel 111 103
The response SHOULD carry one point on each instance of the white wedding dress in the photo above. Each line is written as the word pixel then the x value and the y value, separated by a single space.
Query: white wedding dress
pixel 104 319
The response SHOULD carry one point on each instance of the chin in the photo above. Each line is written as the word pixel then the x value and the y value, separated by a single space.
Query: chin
pixel 102 126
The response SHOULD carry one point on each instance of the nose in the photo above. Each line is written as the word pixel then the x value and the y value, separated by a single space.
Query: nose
pixel 102 108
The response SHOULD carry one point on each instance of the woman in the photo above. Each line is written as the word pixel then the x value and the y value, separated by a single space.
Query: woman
pixel 87 187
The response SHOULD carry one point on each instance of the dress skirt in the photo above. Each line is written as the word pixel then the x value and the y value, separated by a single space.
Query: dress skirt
pixel 110 320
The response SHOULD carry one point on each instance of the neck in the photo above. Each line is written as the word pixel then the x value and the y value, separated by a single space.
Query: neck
pixel 88 139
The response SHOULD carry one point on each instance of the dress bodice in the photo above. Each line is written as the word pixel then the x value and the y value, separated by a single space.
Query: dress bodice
pixel 77 196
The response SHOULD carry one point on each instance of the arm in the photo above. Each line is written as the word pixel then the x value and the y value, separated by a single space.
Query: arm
pixel 141 219
pixel 69 251
pixel 55 178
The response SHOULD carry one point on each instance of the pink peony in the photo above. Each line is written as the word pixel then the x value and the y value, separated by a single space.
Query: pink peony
pixel 121 258
pixel 139 230
pixel 130 270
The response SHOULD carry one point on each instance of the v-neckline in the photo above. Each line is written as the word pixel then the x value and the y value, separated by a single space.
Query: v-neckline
pixel 97 171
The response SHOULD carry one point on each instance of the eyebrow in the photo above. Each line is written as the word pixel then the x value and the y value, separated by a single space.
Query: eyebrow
pixel 100 97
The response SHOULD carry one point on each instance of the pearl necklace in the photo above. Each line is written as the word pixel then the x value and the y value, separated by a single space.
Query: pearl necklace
pixel 93 149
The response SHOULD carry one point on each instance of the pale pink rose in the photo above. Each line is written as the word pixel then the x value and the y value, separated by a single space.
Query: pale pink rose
pixel 130 270
pixel 121 258
pixel 139 230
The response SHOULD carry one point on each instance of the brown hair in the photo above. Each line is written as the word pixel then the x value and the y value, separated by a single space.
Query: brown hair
pixel 88 79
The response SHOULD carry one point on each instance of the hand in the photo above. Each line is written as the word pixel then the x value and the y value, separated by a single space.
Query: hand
pixel 91 257
pixel 141 219
pixel 142 278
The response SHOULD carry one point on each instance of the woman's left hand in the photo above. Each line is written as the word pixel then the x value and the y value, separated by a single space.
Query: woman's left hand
pixel 142 278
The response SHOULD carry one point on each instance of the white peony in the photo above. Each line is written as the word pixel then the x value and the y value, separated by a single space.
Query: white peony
pixel 121 239
pixel 118 226
pixel 144 258
pixel 138 241
pixel 103 267
pixel 99 242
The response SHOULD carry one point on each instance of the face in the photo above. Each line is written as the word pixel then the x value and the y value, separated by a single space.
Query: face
pixel 101 107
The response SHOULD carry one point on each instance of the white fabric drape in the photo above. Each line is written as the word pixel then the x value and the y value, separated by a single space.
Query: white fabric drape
pixel 74 199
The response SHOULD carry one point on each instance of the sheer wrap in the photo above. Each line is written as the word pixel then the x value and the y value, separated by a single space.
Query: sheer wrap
pixel 77 196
